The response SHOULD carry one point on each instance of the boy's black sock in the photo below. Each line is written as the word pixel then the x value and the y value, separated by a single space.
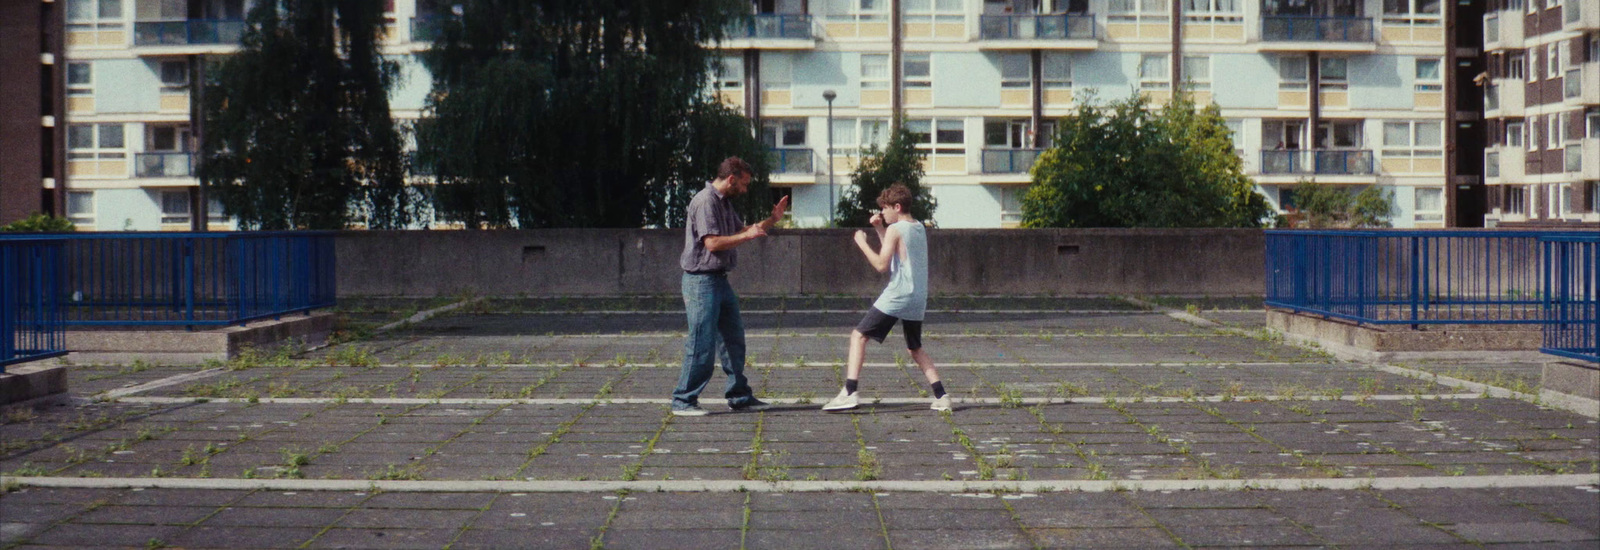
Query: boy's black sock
pixel 938 389
pixel 850 385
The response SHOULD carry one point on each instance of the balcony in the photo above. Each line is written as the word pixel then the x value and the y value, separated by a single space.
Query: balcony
pixel 1503 30
pixel 163 165
pixel 1321 161
pixel 1022 29
pixel 772 31
pixel 1581 85
pixel 1009 161
pixel 427 29
pixel 1579 16
pixel 1583 159
pixel 188 33
pixel 791 160
pixel 1505 98
pixel 1491 29
pixel 1298 33
pixel 1510 164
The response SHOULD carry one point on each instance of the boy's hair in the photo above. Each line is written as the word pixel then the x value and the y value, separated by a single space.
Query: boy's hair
pixel 733 166
pixel 896 194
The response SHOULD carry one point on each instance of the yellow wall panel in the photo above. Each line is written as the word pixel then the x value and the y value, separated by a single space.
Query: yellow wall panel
pixel 113 38
pixel 1396 166
pixel 80 104
pixel 114 168
pixel 950 164
pixel 879 98
pixel 1013 97
pixel 1158 97
pixel 1430 100
pixel 1427 166
pixel 1336 100
pixel 1197 31
pixel 81 38
pixel 842 164
pixel 840 30
pixel 873 30
pixel 950 30
pixel 1292 99
pixel 1147 30
pixel 1229 32
pixel 731 97
pixel 921 96
pixel 1201 98
pixel 1058 97
pixel 1428 34
pixel 82 168
pixel 919 30
pixel 1122 31
pixel 175 102
pixel 776 98
pixel 1396 34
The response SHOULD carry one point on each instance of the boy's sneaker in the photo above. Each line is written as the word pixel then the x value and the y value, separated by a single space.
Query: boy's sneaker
pixel 689 410
pixel 752 405
pixel 942 403
pixel 843 402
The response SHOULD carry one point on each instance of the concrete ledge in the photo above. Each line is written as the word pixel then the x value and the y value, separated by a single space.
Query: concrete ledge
pixel 183 346
pixel 1574 378
pixel 30 381
pixel 1351 341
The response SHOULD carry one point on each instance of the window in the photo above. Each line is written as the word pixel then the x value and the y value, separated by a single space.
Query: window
pixel 918 70
pixel 1514 134
pixel 1553 134
pixel 783 133
pixel 1197 72
pixel 95 141
pixel 939 137
pixel 1236 133
pixel 730 73
pixel 1533 133
pixel 214 211
pixel 1409 139
pixel 874 71
pixel 1516 199
pixel 1333 73
pixel 1057 69
pixel 1516 66
pixel 850 134
pixel 1292 73
pixel 1339 134
pixel 1148 10
pixel 165 138
pixel 1403 11
pixel 1552 62
pixel 104 12
pixel 1154 71
pixel 1211 10
pixel 80 207
pixel 934 11
pixel 1428 79
pixel 174 207
pixel 1593 121
pixel 174 75
pixel 1011 204
pixel 1016 70
pixel 80 79
pixel 1429 204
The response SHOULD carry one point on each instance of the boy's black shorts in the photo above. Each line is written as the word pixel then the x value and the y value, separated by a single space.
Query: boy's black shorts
pixel 876 325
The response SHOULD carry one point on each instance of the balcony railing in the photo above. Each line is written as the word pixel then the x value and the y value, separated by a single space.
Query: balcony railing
pixel 790 160
pixel 773 25
pixel 1062 26
pixel 163 165
pixel 427 29
pixel 1282 28
pixel 1346 162
pixel 1574 158
pixel 1009 161
pixel 193 31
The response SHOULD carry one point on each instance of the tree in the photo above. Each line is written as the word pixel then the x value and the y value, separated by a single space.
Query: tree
pixel 1333 206
pixel 558 113
pixel 899 162
pixel 297 127
pixel 1126 165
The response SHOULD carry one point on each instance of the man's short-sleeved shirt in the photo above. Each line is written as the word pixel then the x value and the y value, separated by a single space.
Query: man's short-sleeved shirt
pixel 710 214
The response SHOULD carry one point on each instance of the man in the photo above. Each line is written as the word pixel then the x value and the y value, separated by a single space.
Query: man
pixel 711 235
pixel 904 255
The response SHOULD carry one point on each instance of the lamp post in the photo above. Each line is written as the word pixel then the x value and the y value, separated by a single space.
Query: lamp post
pixel 829 95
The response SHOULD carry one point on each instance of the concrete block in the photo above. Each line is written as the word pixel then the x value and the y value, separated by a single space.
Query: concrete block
pixel 1575 378
pixel 1356 342
pixel 184 346
pixel 29 381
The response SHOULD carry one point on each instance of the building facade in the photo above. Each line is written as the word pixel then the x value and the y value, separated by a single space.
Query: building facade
pixel 31 152
pixel 1345 92
pixel 1542 103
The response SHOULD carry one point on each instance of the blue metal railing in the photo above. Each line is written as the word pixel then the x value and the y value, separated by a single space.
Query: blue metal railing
pixel 1572 271
pixel 1316 161
pixel 1410 277
pixel 791 160
pixel 1009 161
pixel 1293 28
pixel 1061 26
pixel 427 29
pixel 30 313
pixel 191 279
pixel 193 31
pixel 772 25
pixel 163 165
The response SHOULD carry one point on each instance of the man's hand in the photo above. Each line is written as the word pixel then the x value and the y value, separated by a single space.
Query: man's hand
pixel 755 231
pixel 778 210
pixel 876 220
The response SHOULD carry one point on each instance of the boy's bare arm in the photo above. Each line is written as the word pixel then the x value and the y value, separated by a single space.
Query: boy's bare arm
pixel 879 258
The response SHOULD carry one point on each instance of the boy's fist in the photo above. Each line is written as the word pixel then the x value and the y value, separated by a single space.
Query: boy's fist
pixel 876 220
pixel 861 237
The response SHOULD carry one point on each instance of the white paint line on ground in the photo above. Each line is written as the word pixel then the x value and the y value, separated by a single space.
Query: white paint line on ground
pixel 1096 486
pixel 425 315
pixel 855 312
pixel 1578 405
pixel 158 384
pixel 785 401
pixel 925 336
pixel 830 364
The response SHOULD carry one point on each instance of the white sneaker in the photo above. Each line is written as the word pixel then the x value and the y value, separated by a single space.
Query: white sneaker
pixel 843 402
pixel 942 403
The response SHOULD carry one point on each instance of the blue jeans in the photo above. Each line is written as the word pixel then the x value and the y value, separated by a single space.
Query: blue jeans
pixel 714 326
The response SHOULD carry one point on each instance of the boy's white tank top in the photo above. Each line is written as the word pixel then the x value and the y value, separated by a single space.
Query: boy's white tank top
pixel 906 297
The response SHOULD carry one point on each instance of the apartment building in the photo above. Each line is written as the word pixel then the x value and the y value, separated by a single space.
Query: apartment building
pixel 1345 92
pixel 30 80
pixel 1542 104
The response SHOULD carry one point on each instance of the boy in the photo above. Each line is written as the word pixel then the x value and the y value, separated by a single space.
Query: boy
pixel 904 255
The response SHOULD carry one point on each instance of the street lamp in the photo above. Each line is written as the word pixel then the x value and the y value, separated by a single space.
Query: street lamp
pixel 829 95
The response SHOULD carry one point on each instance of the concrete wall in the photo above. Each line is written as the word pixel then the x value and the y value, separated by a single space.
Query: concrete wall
pixel 813 261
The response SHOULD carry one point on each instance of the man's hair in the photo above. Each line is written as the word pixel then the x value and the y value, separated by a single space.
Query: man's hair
pixel 733 166
pixel 896 194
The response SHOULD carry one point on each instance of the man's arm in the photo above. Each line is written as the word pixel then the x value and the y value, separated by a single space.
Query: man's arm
pixel 879 258
pixel 718 243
